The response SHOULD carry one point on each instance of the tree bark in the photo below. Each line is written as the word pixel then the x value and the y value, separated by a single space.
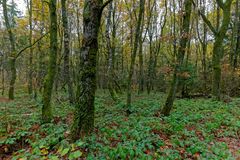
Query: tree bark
pixel 111 54
pixel 30 69
pixel 133 56
pixel 83 122
pixel 67 77
pixel 49 79
pixel 41 66
pixel 180 57
pixel 237 46
pixel 218 50
pixel 12 57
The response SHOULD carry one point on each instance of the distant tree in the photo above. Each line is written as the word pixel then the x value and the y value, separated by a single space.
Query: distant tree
pixel 30 65
pixel 111 51
pixel 67 76
pixel 12 56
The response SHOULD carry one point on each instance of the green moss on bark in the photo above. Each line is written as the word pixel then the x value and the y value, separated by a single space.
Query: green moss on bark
pixel 49 79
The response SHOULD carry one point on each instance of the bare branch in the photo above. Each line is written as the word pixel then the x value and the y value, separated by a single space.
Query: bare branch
pixel 208 23
pixel 205 19
pixel 29 46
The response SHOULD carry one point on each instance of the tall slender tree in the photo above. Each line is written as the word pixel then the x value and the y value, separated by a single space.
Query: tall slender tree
pixel 49 79
pixel 236 31
pixel 185 29
pixel 134 53
pixel 30 69
pixel 12 56
pixel 67 77
pixel 204 44
pixel 111 52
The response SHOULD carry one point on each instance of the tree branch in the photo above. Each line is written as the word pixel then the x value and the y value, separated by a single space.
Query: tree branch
pixel 105 4
pixel 206 21
pixel 29 46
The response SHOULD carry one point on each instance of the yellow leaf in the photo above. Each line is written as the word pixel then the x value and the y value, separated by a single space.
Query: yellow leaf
pixel 44 151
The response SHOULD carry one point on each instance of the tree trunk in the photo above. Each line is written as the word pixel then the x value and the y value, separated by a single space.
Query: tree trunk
pixel 30 72
pixel 237 46
pixel 141 69
pixel 133 56
pixel 41 66
pixel 12 57
pixel 49 79
pixel 3 75
pixel 84 114
pixel 180 57
pixel 218 50
pixel 67 77
pixel 111 50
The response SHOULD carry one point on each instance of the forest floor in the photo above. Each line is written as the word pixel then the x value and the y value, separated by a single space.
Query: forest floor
pixel 196 129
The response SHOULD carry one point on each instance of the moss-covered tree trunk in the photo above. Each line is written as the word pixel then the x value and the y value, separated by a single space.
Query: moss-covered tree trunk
pixel 12 56
pixel 111 54
pixel 140 54
pixel 216 60
pixel 218 49
pixel 141 68
pixel 204 52
pixel 83 122
pixel 151 31
pixel 237 47
pixel 67 77
pixel 41 66
pixel 49 79
pixel 2 74
pixel 180 57
pixel 235 37
pixel 151 61
pixel 133 56
pixel 30 66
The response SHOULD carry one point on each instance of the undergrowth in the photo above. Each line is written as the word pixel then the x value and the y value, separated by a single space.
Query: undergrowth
pixel 196 129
